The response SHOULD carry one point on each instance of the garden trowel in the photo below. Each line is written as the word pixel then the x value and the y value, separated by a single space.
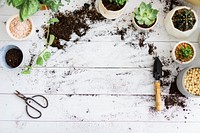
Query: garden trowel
pixel 157 74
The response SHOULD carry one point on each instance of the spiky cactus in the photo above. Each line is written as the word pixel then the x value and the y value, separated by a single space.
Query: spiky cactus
pixel 184 19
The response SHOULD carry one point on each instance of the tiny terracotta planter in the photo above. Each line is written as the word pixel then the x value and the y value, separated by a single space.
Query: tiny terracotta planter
pixel 108 13
pixel 188 82
pixel 11 57
pixel 18 30
pixel 178 57
pixel 172 30
pixel 44 7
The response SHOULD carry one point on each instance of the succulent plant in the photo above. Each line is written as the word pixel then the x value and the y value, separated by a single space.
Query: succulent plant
pixel 145 14
pixel 186 52
pixel 184 19
pixel 119 2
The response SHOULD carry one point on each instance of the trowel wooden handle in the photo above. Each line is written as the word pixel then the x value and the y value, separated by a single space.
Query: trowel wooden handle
pixel 158 96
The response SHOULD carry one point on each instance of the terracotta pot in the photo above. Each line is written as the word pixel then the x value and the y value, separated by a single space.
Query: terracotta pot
pixel 174 55
pixel 169 26
pixel 108 13
pixel 194 2
pixel 180 82
pixel 44 7
pixel 141 28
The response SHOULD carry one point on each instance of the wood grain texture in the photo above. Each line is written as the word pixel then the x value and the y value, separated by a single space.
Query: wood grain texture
pixel 100 83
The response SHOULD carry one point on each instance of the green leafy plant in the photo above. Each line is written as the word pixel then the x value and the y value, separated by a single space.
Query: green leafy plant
pixel 29 7
pixel 184 19
pixel 44 54
pixel 119 2
pixel 145 14
pixel 186 52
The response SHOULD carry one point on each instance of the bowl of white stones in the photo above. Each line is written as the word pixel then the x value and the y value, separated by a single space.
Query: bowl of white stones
pixel 188 81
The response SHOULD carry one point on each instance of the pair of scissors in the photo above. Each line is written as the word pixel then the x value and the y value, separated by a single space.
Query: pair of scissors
pixel 29 100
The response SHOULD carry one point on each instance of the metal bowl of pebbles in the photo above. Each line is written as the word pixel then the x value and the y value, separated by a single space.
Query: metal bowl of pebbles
pixel 188 81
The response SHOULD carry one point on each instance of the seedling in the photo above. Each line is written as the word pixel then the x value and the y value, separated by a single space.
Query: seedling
pixel 44 54
pixel 145 14
pixel 119 2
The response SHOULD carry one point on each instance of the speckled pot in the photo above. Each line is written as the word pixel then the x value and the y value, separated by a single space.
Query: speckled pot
pixel 180 82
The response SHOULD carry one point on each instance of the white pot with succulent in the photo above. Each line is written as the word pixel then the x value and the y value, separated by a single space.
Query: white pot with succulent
pixel 181 22
pixel 145 17
pixel 112 9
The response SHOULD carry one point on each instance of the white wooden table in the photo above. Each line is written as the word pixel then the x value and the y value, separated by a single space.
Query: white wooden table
pixel 101 86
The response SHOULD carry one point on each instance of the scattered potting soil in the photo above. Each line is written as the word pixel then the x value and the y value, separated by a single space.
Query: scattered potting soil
pixel 170 4
pixel 112 5
pixel 14 57
pixel 122 32
pixel 77 22
pixel 152 49
pixel 175 98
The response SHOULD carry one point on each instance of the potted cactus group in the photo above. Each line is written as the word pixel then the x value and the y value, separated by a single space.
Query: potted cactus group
pixel 181 22
pixel 111 9
pixel 145 17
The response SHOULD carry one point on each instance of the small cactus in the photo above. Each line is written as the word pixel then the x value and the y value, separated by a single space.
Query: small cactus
pixel 184 19
pixel 145 14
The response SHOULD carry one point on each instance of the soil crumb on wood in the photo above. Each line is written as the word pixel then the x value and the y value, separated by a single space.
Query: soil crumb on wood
pixel 77 22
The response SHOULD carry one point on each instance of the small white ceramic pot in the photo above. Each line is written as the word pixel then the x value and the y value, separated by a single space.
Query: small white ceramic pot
pixel 12 36
pixel 3 52
pixel 108 13
pixel 141 28
pixel 174 56
pixel 169 26
pixel 180 81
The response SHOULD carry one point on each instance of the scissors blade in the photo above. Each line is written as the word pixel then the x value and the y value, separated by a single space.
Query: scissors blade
pixel 20 95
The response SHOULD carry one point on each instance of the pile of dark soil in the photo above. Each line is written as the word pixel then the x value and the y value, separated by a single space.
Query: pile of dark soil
pixel 175 98
pixel 14 57
pixel 77 22
pixel 170 4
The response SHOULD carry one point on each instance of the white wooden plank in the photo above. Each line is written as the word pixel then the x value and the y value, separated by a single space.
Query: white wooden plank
pixel 97 127
pixel 82 81
pixel 107 54
pixel 94 108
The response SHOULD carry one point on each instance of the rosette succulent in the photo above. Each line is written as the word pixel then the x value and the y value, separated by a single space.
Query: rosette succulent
pixel 145 14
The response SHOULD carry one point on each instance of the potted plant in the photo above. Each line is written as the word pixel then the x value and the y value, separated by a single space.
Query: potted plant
pixel 11 56
pixel 30 7
pixel 18 30
pixel 145 17
pixel 112 9
pixel 181 22
pixel 188 81
pixel 184 52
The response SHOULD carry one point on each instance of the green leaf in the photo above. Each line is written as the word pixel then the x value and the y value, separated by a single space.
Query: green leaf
pixel 140 22
pixel 53 20
pixel 51 39
pixel 17 3
pixel 39 61
pixel 27 71
pixel 46 55
pixel 29 8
